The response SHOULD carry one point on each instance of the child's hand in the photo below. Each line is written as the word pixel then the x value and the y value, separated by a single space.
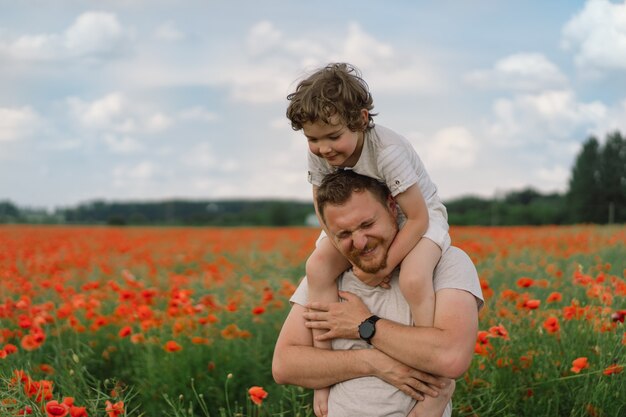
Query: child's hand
pixel 320 402
pixel 380 278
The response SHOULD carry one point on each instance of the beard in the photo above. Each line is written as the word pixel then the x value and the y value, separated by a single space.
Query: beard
pixel 373 266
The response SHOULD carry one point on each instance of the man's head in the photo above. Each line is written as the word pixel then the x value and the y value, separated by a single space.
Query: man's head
pixel 335 90
pixel 360 216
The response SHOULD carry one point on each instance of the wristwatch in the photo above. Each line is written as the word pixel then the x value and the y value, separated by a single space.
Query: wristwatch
pixel 367 329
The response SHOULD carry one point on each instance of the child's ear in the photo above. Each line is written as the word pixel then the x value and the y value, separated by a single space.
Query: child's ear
pixel 365 115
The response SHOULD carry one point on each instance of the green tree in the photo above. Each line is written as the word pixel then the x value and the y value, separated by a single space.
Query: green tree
pixel 597 187
pixel 585 194
pixel 8 212
pixel 613 175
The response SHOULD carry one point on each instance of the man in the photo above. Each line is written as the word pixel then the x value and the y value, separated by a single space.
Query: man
pixel 379 364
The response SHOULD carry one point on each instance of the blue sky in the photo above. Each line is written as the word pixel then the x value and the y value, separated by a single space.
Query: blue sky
pixel 148 100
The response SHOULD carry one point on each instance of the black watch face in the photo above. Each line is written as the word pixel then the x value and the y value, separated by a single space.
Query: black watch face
pixel 366 330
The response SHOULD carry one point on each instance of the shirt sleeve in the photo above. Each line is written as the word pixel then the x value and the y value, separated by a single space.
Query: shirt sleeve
pixel 457 271
pixel 318 169
pixel 396 165
pixel 301 295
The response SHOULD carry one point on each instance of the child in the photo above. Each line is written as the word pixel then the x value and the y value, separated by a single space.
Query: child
pixel 333 109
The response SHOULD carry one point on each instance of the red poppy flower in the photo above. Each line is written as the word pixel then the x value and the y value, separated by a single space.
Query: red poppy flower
pixel 554 297
pixel 10 348
pixel 27 410
pixel 525 282
pixel 499 331
pixel 618 316
pixel 551 324
pixel 579 364
pixel 78 411
pixel 56 409
pixel 613 369
pixel 125 331
pixel 114 410
pixel 172 346
pixel 257 395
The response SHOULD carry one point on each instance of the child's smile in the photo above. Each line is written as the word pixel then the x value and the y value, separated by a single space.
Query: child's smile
pixel 334 142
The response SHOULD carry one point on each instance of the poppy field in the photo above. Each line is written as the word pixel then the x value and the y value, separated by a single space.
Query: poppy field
pixel 103 321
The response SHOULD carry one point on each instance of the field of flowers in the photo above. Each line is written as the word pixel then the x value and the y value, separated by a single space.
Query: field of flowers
pixel 99 321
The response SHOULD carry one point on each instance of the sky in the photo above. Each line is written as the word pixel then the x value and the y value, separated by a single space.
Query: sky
pixel 148 100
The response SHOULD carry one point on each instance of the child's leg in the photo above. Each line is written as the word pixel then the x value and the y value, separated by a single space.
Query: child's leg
pixel 416 281
pixel 322 269
pixel 320 402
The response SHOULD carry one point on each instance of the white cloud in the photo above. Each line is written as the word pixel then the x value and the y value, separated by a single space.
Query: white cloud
pixel 140 173
pixel 115 113
pixel 614 120
pixel 263 37
pixel 522 71
pixel 270 78
pixel 546 115
pixel 92 35
pixel 17 123
pixel 168 32
pixel 202 157
pixel 597 35
pixel 362 48
pixel 451 148
pixel 123 145
pixel 158 122
pixel 108 112
pixel 197 113
pixel 32 47
pixel 554 177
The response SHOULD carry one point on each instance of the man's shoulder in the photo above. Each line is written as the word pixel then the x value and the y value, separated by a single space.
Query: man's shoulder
pixel 455 257
pixel 456 270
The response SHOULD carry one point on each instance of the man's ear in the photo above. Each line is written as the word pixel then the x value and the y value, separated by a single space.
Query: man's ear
pixel 392 206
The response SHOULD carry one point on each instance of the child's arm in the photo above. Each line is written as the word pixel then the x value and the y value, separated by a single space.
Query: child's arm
pixel 414 207
pixel 317 211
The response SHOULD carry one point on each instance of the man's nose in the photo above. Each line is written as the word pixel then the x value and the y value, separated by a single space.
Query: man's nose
pixel 359 240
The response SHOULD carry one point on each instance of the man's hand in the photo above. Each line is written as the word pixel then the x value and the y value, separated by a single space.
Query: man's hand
pixel 340 319
pixel 412 382
pixel 434 407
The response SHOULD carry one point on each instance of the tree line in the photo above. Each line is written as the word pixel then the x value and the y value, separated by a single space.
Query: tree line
pixel 596 194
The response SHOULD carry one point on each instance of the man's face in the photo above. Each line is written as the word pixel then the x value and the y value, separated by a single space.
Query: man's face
pixel 363 229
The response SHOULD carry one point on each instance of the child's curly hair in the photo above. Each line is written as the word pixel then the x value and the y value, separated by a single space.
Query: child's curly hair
pixel 336 89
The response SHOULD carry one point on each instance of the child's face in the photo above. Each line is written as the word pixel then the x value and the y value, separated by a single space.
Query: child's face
pixel 334 142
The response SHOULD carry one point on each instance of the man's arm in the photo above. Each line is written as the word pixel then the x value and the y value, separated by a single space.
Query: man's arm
pixel 297 362
pixel 446 349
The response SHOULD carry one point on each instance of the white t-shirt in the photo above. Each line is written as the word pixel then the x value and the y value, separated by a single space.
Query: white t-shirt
pixel 371 396
pixel 390 158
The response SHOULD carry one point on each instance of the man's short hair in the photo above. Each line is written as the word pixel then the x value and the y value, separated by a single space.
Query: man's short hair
pixel 337 188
